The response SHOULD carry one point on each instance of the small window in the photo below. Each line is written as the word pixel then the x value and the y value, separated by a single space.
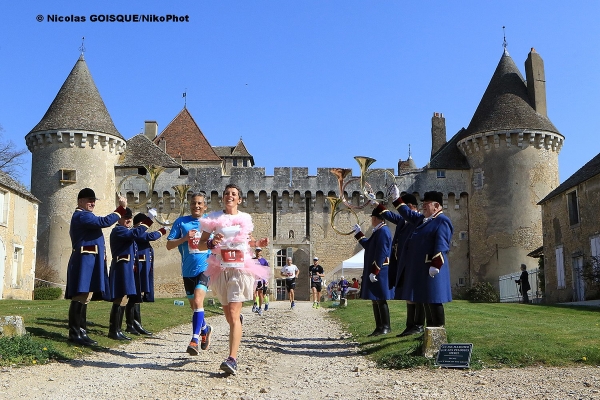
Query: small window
pixel 235 162
pixel 441 173
pixel 573 206
pixel 461 281
pixel 245 163
pixel 68 176
pixel 463 235
pixel 142 171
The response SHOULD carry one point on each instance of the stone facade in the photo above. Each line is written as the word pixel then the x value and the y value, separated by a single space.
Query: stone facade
pixel 18 237
pixel 572 235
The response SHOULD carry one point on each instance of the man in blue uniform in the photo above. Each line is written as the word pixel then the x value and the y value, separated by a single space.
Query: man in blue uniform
pixel 375 285
pixel 145 283
pixel 415 312
pixel 86 272
pixel 124 273
pixel 427 271
pixel 185 235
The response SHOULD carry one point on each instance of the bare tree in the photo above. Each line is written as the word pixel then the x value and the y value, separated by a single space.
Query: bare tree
pixel 11 162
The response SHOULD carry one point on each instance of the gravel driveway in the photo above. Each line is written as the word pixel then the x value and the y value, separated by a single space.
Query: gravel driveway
pixel 285 354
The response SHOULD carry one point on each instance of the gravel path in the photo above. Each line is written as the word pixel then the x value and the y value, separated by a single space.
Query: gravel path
pixel 285 354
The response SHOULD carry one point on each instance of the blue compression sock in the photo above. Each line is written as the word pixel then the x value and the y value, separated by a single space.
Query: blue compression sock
pixel 197 323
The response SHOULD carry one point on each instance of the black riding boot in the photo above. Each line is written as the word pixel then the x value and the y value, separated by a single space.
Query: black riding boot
pixel 130 318
pixel 428 316
pixel 121 314
pixel 384 312
pixel 116 320
pixel 137 320
pixel 437 314
pixel 75 324
pixel 412 318
pixel 83 327
pixel 377 315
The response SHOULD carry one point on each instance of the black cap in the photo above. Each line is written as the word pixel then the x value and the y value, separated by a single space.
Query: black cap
pixel 375 213
pixel 128 213
pixel 434 196
pixel 409 199
pixel 86 193
pixel 139 217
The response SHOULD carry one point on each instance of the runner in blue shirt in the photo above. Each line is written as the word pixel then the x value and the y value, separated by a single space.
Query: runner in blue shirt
pixel 185 235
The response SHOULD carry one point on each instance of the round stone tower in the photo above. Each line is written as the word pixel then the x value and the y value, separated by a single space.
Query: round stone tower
pixel 512 148
pixel 74 146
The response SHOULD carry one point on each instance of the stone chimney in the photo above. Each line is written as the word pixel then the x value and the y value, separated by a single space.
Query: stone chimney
pixel 438 132
pixel 536 82
pixel 150 129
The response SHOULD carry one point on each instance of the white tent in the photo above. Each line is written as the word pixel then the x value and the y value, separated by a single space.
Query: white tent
pixel 353 265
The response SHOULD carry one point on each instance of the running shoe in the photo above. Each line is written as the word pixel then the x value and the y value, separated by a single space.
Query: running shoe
pixel 293 304
pixel 260 311
pixel 318 305
pixel 205 339
pixel 254 308
pixel 314 304
pixel 229 366
pixel 192 349
pixel 242 319
pixel 266 306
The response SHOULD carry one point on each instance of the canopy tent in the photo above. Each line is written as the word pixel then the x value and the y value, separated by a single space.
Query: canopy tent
pixel 353 266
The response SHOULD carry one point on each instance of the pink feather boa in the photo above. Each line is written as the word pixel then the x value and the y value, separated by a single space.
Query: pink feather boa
pixel 213 223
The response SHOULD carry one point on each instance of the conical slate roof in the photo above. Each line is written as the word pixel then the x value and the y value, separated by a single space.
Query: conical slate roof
pixel 183 138
pixel 505 105
pixel 141 151
pixel 78 105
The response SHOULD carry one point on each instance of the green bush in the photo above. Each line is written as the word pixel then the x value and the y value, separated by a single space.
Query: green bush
pixel 25 350
pixel 483 292
pixel 47 293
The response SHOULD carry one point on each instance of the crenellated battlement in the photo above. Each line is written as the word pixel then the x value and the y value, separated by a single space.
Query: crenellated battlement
pixel 75 138
pixel 520 138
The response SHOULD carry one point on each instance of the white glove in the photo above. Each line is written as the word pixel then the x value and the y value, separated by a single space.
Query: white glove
pixel 152 213
pixel 394 192
pixel 356 229
pixel 370 196
pixel 433 271
pixel 373 278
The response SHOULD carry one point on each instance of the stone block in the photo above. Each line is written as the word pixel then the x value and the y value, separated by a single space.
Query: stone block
pixel 12 325
pixel 433 339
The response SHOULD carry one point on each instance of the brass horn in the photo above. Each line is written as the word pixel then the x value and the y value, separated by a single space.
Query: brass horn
pixel 364 163
pixel 334 202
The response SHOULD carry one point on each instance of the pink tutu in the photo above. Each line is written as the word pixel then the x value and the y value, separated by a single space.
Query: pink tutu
pixel 244 221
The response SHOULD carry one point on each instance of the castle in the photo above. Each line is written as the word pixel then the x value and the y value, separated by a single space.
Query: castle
pixel 492 174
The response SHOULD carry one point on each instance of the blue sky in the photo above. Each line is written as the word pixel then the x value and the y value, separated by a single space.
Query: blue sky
pixel 304 83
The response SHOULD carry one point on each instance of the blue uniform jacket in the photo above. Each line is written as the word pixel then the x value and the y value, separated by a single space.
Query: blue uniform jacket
pixel 377 253
pixel 428 238
pixel 123 269
pixel 145 259
pixel 86 271
pixel 403 231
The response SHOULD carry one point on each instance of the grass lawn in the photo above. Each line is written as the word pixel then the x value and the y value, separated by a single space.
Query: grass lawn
pixel 502 334
pixel 47 324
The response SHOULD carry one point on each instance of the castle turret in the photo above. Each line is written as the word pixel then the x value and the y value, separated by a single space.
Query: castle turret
pixel 75 145
pixel 513 152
